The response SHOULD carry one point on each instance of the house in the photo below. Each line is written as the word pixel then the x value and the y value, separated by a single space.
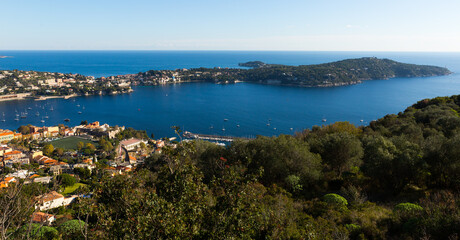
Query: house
pixel 44 180
pixel 60 168
pixel 4 183
pixel 131 144
pixel 40 217
pixel 4 149
pixel 20 174
pixel 53 200
pixel 6 136
pixel 132 159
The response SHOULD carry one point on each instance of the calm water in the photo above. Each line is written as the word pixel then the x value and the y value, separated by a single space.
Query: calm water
pixel 202 107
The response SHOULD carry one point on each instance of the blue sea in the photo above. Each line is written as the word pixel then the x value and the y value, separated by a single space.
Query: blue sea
pixel 251 109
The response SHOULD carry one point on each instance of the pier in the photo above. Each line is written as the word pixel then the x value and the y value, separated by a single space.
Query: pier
pixel 212 137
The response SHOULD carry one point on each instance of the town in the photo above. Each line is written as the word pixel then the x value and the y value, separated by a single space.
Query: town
pixel 16 85
pixel 64 159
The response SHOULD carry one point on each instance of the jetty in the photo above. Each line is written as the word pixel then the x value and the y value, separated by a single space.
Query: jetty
pixel 218 138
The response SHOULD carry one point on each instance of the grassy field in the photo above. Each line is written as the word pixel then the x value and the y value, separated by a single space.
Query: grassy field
pixel 70 142
pixel 70 190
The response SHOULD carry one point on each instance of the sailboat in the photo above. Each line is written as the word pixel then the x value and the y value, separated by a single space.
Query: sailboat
pixel 3 119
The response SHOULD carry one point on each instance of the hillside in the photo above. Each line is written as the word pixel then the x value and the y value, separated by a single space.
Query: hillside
pixel 345 72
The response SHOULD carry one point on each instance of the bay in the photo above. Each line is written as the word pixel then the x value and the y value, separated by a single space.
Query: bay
pixel 202 107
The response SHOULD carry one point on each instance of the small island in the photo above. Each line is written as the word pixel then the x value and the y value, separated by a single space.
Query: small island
pixel 16 84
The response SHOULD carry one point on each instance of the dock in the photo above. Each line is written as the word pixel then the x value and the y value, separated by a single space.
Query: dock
pixel 217 138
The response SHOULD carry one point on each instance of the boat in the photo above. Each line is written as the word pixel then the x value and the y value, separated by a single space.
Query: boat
pixel 211 127
pixel 37 114
pixel 51 109
pixel 67 120
pixel 23 115
pixel 43 121
pixel 361 120
pixel 324 120
pixel 225 119
pixel 16 119
pixel 274 128
pixel 78 105
pixel 292 129
pixel 223 129
pixel 29 108
pixel 83 107
pixel 237 125
pixel 46 117
pixel 79 112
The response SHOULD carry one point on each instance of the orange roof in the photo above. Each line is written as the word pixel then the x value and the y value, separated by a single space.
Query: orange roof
pixel 9 179
pixel 39 217
pixel 34 176
pixel 6 133
pixel 13 152
pixel 50 196
pixel 132 158
pixel 87 160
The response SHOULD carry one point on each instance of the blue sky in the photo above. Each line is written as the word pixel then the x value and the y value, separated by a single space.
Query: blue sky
pixel 328 25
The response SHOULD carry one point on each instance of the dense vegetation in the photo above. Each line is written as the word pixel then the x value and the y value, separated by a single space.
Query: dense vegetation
pixel 344 72
pixel 397 178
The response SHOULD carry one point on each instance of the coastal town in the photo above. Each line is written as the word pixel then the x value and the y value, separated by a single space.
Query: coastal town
pixel 63 160
pixel 16 85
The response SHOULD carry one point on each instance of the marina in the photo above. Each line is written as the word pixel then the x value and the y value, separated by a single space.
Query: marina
pixel 216 138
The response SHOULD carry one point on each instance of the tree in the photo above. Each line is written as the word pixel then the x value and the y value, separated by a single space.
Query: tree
pixel 66 180
pixel 340 152
pixel 59 151
pixel 84 122
pixel 80 146
pixel 48 149
pixel 73 229
pixel 24 130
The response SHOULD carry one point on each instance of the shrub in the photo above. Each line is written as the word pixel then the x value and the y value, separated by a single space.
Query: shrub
pixel 335 199
pixel 72 229
pixel 407 208
pixel 38 232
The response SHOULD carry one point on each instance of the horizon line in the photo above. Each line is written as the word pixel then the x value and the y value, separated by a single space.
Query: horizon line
pixel 233 50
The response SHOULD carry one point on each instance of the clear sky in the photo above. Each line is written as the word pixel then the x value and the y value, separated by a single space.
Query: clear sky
pixel 317 25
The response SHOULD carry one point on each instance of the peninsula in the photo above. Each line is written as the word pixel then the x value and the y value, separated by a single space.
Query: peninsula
pixel 15 84
pixel 345 72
